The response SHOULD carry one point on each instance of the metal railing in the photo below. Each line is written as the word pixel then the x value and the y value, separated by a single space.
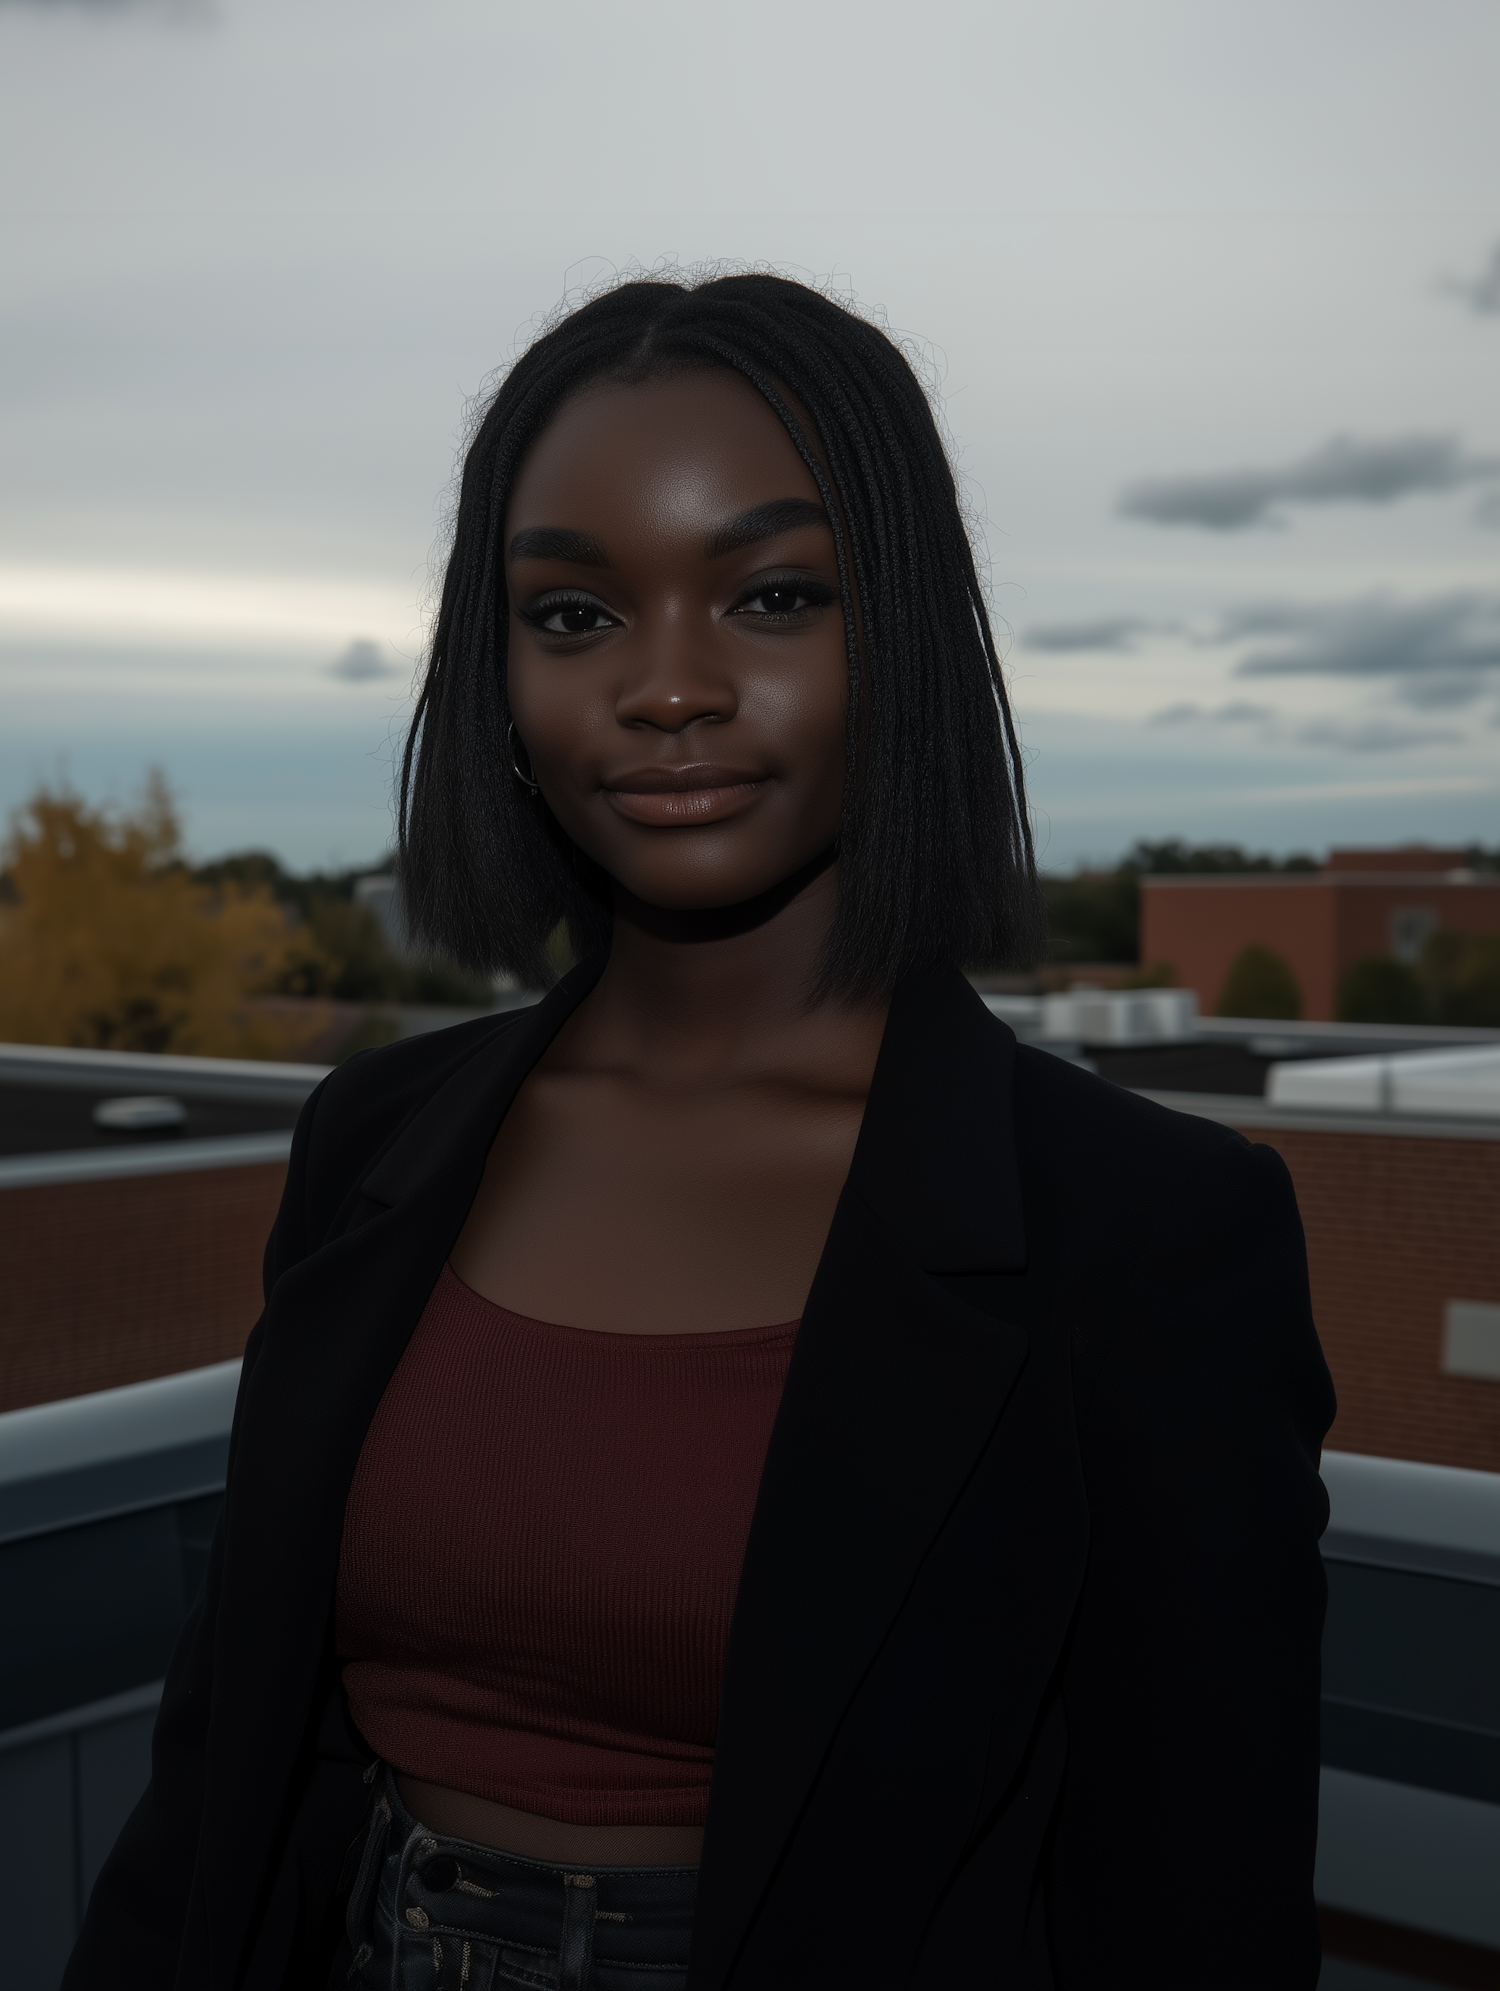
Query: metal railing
pixel 107 1506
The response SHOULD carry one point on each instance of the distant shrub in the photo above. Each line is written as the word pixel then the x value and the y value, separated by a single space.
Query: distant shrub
pixel 1094 916
pixel 1155 975
pixel 1462 975
pixel 1260 983
pixel 1379 990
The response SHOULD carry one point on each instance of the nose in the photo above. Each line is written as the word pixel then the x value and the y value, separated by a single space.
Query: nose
pixel 673 679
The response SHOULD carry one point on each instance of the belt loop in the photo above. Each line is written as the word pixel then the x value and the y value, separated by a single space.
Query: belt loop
pixel 360 1912
pixel 575 1958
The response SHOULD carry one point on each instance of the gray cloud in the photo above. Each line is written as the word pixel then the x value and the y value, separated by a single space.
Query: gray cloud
pixel 192 12
pixel 361 663
pixel 1111 632
pixel 1481 293
pixel 1343 471
pixel 1237 713
pixel 1348 736
pixel 1373 736
pixel 1440 649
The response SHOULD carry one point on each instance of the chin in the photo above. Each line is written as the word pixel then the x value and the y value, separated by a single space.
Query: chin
pixel 714 894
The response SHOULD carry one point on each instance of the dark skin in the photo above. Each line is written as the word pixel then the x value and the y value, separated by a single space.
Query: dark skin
pixel 679 681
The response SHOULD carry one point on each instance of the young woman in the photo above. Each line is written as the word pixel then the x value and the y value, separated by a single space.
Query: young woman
pixel 746 1476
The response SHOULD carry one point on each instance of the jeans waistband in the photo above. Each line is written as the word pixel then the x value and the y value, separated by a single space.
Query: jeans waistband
pixel 431 1913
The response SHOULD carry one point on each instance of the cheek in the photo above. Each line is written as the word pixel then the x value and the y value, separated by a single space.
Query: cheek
pixel 557 705
pixel 806 707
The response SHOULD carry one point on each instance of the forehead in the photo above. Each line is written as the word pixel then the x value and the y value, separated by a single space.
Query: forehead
pixel 694 445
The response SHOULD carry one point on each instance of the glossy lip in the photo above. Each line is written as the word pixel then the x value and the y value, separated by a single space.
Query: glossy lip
pixel 682 797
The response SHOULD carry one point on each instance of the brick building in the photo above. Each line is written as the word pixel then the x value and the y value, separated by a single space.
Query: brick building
pixel 1362 903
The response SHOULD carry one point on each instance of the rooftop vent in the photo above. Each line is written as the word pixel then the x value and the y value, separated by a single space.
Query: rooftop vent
pixel 139 1113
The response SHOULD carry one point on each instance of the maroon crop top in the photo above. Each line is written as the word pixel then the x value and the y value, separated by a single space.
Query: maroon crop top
pixel 541 1551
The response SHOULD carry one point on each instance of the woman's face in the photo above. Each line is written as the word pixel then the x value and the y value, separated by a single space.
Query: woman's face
pixel 677 664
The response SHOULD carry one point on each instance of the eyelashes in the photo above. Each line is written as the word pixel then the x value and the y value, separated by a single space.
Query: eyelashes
pixel 564 614
pixel 770 598
pixel 796 595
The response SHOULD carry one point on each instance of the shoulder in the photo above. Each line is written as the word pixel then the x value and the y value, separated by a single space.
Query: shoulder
pixel 364 1104
pixel 1180 1245
pixel 397 1078
pixel 1114 1155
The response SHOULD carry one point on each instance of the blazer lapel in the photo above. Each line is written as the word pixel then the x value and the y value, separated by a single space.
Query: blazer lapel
pixel 335 1328
pixel 894 1390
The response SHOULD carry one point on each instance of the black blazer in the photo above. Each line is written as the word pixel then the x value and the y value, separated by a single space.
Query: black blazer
pixel 1022 1685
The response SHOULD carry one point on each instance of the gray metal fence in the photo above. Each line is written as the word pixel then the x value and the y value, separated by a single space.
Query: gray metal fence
pixel 107 1509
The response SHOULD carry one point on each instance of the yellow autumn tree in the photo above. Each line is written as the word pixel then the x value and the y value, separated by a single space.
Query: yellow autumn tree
pixel 107 942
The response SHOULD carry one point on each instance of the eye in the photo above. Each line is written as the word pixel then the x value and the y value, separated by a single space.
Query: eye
pixel 783 596
pixel 567 615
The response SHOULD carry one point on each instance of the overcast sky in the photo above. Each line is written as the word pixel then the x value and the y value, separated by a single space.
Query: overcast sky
pixel 1210 293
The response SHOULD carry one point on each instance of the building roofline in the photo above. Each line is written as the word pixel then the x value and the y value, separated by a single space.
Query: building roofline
pixel 1232 1110
pixel 1279 1038
pixel 151 1071
pixel 149 1158
pixel 1332 881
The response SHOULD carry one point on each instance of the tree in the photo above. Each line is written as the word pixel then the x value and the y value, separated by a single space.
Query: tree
pixel 1379 990
pixel 350 958
pixel 1093 916
pixel 108 942
pixel 1462 972
pixel 1260 983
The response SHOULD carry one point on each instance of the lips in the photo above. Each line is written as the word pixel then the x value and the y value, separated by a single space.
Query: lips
pixel 682 797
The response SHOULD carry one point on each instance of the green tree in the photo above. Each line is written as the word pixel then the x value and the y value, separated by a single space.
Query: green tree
pixel 1174 856
pixel 1260 983
pixel 1094 916
pixel 1462 973
pixel 1380 990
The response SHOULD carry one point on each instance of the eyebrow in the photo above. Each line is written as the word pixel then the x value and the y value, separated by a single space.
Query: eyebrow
pixel 764 522
pixel 558 542
pixel 581 549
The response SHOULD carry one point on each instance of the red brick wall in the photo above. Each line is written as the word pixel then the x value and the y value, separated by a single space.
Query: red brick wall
pixel 1200 927
pixel 1319 925
pixel 1396 1226
pixel 120 1280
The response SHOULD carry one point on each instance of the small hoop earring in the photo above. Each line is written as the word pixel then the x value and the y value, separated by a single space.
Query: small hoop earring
pixel 526 780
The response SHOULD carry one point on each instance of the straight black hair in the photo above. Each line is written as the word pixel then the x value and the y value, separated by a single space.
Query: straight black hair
pixel 936 865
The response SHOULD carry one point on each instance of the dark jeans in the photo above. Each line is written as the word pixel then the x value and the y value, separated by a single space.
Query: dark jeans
pixel 435 1914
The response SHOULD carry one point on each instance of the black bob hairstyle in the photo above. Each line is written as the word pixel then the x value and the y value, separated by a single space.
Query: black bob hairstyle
pixel 935 855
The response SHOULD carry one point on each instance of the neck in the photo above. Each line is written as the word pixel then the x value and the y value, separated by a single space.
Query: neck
pixel 719 987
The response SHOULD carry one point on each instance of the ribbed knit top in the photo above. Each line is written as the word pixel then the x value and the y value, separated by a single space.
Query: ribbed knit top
pixel 541 1551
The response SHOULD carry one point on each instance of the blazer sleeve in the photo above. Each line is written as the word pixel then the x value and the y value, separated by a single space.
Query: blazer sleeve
pixel 1186 1833
pixel 133 1928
